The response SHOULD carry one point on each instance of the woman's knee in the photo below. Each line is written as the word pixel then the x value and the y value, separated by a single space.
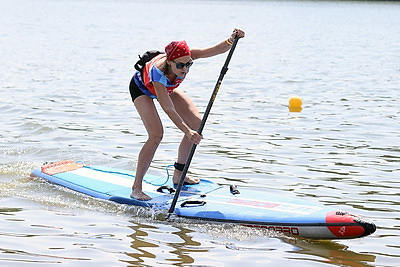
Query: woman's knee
pixel 195 123
pixel 156 138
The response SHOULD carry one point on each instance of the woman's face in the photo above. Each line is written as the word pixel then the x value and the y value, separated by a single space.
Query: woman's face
pixel 180 66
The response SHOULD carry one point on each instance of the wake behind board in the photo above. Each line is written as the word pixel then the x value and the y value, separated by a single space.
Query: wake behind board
pixel 211 202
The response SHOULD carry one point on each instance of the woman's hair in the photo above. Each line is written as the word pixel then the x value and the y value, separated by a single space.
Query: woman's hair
pixel 166 67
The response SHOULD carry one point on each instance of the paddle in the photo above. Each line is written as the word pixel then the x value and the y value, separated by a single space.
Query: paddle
pixel 203 122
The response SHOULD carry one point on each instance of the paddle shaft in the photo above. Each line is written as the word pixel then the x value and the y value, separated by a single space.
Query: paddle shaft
pixel 203 122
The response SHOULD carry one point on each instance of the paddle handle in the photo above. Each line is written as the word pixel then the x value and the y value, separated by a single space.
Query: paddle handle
pixel 217 86
pixel 203 122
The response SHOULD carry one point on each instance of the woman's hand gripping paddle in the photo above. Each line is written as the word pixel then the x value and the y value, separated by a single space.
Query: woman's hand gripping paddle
pixel 203 122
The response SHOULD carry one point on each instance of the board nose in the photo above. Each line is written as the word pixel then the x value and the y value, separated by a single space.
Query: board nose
pixel 346 225
pixel 369 227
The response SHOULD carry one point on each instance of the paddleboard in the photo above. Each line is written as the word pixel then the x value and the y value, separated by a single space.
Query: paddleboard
pixel 209 201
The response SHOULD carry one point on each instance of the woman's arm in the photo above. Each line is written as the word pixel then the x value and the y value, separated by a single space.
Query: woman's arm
pixel 169 108
pixel 218 48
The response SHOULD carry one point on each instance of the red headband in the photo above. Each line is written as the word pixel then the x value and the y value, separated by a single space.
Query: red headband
pixel 177 49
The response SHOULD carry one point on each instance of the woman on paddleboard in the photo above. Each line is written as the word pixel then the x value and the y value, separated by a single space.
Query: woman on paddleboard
pixel 159 80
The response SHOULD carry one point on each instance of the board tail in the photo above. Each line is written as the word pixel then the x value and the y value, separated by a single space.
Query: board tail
pixel 60 166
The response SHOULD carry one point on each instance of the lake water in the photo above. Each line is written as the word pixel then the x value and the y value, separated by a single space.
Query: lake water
pixel 64 72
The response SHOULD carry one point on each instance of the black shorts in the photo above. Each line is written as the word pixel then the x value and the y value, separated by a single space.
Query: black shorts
pixel 134 90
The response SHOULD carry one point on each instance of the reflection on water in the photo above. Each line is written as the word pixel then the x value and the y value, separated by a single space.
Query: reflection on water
pixel 333 253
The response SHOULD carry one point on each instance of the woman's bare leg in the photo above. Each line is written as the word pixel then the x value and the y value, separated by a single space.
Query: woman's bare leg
pixel 151 120
pixel 191 116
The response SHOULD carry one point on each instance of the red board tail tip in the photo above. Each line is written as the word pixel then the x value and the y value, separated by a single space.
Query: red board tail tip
pixel 60 166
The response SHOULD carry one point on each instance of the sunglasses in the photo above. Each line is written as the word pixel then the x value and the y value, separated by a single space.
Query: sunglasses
pixel 180 65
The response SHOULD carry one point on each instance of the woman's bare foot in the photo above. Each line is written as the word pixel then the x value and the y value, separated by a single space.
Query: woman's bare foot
pixel 188 180
pixel 139 195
